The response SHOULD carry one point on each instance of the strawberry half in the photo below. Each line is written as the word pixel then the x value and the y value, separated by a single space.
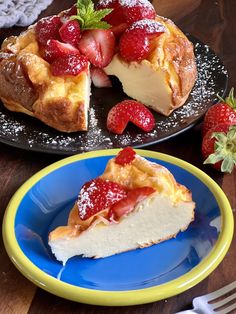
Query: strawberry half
pixel 99 78
pixel 223 112
pixel 70 32
pixel 219 147
pixel 69 65
pixel 97 195
pixel 48 28
pixel 129 111
pixel 54 49
pixel 135 42
pixel 98 46
pixel 125 156
pixel 127 204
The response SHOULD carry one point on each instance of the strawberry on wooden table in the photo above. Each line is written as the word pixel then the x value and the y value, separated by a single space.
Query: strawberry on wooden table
pixel 219 147
pixel 129 111
pixel 97 195
pixel 222 112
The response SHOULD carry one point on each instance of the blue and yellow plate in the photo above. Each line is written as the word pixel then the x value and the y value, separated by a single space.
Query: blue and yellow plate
pixel 135 277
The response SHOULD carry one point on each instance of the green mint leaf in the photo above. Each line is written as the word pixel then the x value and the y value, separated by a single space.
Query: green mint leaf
pixel 89 18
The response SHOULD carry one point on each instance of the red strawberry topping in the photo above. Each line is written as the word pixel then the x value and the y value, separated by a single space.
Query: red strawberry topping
pixel 69 65
pixel 134 46
pixel 48 28
pixel 97 195
pixel 135 43
pixel 99 78
pixel 127 204
pixel 129 110
pixel 55 49
pixel 70 32
pixel 223 112
pixel 125 156
pixel 127 11
pixel 98 46
pixel 219 147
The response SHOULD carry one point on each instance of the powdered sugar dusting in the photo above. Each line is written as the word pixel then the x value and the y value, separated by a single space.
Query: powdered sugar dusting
pixel 134 3
pixel 149 26
pixel 29 133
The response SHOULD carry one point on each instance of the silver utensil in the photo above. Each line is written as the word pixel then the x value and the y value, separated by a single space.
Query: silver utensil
pixel 222 301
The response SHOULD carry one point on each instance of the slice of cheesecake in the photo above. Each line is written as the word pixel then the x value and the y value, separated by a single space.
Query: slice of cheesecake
pixel 164 80
pixel 145 206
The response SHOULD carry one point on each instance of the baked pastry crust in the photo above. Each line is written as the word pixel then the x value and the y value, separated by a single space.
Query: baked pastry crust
pixel 27 85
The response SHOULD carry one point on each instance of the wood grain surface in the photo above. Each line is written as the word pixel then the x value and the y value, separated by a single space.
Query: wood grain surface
pixel 214 23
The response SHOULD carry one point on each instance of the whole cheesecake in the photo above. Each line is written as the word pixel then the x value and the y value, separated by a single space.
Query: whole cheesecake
pixel 45 71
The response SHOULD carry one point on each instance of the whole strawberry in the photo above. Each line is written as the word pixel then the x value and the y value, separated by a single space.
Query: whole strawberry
pixel 219 147
pixel 223 112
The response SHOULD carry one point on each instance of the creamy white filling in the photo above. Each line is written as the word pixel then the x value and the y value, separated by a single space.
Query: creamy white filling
pixel 153 220
pixel 143 83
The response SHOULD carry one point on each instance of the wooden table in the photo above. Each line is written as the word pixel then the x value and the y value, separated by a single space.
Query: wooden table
pixel 213 22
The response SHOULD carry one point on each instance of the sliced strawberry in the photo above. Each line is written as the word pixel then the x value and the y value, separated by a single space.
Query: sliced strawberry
pixel 99 78
pixel 128 12
pixel 135 42
pixel 70 32
pixel 219 147
pixel 98 46
pixel 69 65
pixel 97 195
pixel 48 28
pixel 127 204
pixel 55 49
pixel 129 111
pixel 125 156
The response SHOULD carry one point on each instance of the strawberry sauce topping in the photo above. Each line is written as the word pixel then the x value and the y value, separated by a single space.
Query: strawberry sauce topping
pixel 125 156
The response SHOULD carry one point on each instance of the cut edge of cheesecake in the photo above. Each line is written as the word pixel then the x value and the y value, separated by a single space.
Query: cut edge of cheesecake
pixel 154 220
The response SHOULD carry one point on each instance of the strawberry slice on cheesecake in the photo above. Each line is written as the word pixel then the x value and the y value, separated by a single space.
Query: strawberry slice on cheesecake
pixel 135 203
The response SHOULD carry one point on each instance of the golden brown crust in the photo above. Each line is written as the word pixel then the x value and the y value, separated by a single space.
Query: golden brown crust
pixel 175 55
pixel 28 86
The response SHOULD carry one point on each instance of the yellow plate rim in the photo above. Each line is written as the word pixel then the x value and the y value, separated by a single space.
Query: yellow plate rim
pixel 118 298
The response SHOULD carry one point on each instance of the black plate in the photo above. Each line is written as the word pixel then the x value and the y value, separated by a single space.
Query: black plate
pixel 22 131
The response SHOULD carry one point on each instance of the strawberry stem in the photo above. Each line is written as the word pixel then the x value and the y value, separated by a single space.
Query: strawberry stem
pixel 225 150
pixel 230 100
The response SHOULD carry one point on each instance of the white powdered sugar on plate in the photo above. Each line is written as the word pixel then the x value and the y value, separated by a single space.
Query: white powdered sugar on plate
pixel 28 133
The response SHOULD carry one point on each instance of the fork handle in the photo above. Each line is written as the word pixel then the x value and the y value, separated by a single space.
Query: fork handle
pixel 188 312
